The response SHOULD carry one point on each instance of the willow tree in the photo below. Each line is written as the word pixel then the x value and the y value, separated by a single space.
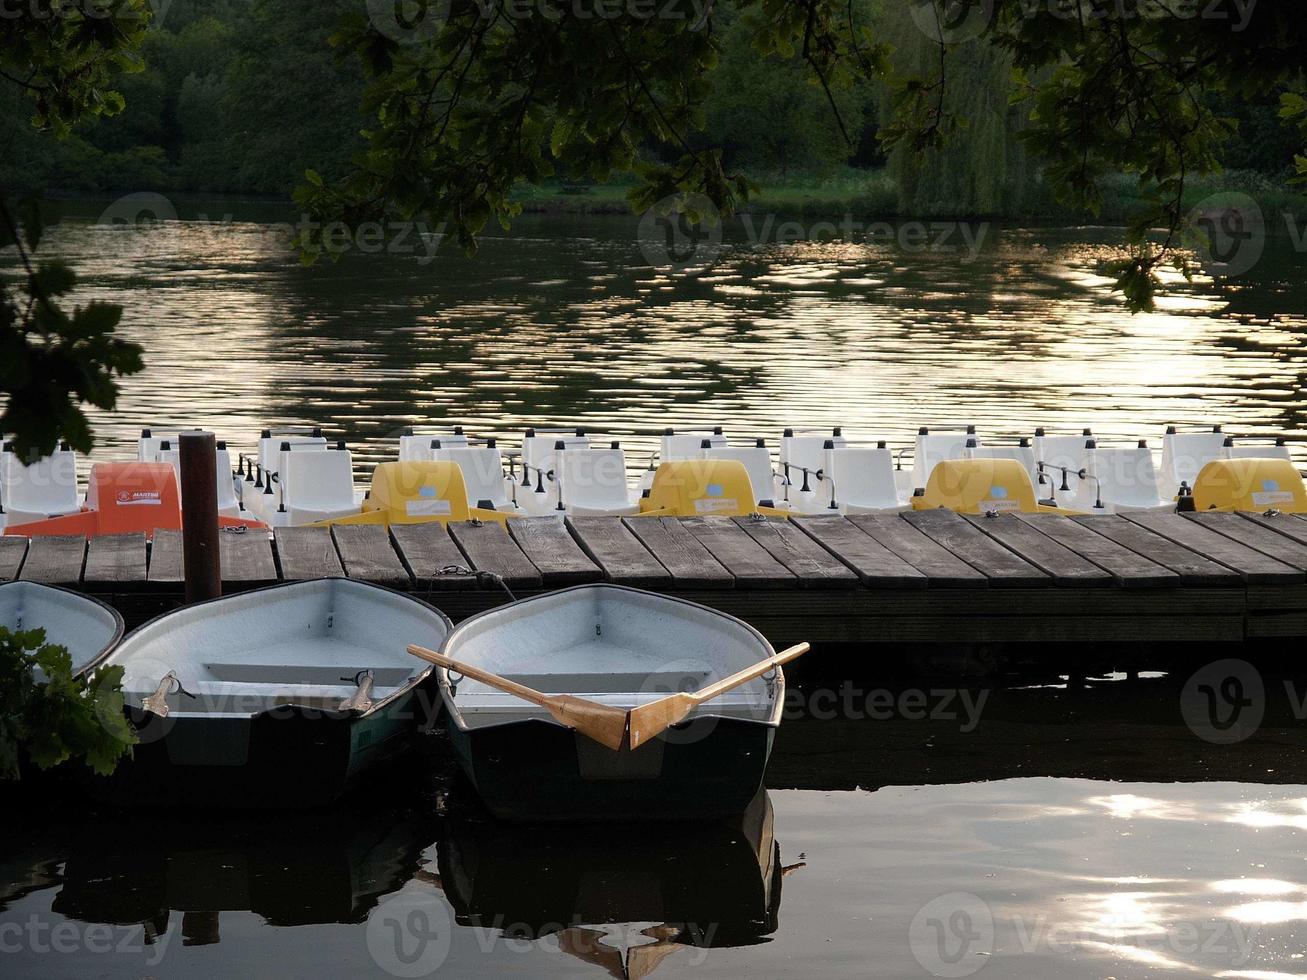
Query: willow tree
pixel 471 96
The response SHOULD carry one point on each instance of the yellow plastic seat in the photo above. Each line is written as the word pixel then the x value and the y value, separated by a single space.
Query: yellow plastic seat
pixel 979 486
pixel 417 492
pixel 1252 485
pixel 703 488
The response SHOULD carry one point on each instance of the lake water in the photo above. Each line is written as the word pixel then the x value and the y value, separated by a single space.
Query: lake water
pixel 991 842
pixel 565 322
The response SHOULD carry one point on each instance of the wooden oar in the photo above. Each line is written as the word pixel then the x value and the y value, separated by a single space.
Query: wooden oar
pixel 604 724
pixel 648 720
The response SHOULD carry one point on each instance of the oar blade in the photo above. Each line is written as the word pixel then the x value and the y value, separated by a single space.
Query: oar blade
pixel 600 722
pixel 656 717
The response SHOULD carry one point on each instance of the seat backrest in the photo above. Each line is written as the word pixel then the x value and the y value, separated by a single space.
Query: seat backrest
pixel 1069 452
pixel 317 480
pixel 863 477
pixel 1125 476
pixel 538 449
pixel 418 446
pixel 932 448
pixel 134 497
pixel 756 460
pixel 270 448
pixel 45 486
pixel 1185 453
pixel 686 445
pixel 593 478
pixel 807 449
pixel 483 472
pixel 1025 455
pixel 1257 452
pixel 222 466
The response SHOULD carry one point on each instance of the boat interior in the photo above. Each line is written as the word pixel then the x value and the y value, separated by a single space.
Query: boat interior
pixel 82 625
pixel 308 644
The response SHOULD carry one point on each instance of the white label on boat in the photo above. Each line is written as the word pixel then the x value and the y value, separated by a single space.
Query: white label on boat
pixel 705 505
pixel 997 505
pixel 129 498
pixel 427 508
pixel 1268 497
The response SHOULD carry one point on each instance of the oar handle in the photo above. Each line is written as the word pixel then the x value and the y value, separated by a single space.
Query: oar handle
pixel 477 674
pixel 749 673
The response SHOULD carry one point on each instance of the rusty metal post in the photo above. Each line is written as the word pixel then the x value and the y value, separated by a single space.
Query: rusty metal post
pixel 199 489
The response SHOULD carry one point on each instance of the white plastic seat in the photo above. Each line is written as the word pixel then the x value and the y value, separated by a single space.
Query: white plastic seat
pixel 1023 454
pixel 1185 453
pixel 864 481
pixel 933 448
pixel 44 488
pixel 537 494
pixel 315 486
pixel 260 495
pixel 677 446
pixel 805 451
pixel 271 439
pixel 483 472
pixel 1063 457
pixel 756 460
pixel 1277 451
pixel 592 482
pixel 228 504
pixel 1126 481
pixel 416 446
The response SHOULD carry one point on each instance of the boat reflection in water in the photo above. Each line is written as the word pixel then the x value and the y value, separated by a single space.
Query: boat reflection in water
pixel 622 897
pixel 319 867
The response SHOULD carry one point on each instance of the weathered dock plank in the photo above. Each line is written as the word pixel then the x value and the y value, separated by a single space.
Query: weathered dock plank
pixel 875 565
pixel 365 553
pixel 1003 568
pixel 115 560
pixel 1193 568
pixel 489 549
pixel 688 562
pixel 807 560
pixel 432 557
pixel 1253 566
pixel 941 567
pixel 1065 566
pixel 13 549
pixel 246 558
pixel 553 551
pixel 55 560
pixel 1257 536
pixel 1128 569
pixel 749 563
pixel 307 552
pixel 1289 525
pixel 618 552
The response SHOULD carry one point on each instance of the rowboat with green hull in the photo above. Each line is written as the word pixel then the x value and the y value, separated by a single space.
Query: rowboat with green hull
pixel 274 697
pixel 610 652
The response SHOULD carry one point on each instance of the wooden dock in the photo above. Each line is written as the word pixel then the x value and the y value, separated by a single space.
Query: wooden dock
pixel 920 577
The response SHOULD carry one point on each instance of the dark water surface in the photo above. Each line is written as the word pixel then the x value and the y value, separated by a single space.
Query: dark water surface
pixel 986 842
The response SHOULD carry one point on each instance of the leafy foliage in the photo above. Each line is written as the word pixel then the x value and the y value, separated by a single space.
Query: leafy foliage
pixel 55 717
